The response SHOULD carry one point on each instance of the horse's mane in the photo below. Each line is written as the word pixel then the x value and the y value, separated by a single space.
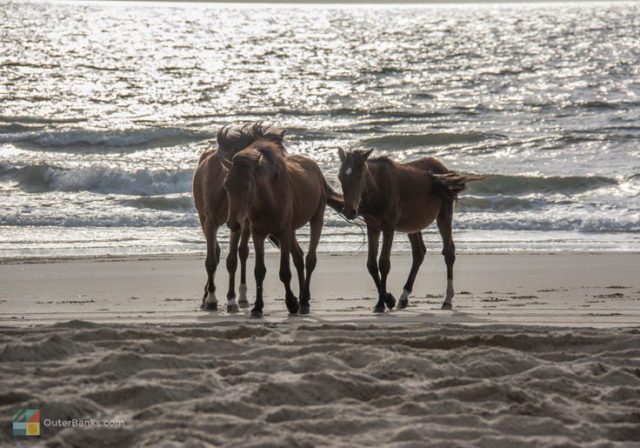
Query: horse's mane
pixel 233 139
pixel 269 151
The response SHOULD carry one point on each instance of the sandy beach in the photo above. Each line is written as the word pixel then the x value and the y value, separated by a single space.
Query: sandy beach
pixel 540 351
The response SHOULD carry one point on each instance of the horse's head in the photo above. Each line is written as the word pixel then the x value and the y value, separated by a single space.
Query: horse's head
pixel 352 176
pixel 240 184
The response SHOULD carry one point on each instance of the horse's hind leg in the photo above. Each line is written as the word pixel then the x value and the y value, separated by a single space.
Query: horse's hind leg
pixel 418 250
pixel 285 272
pixel 209 301
pixel 232 264
pixel 243 251
pixel 310 263
pixel 298 261
pixel 444 222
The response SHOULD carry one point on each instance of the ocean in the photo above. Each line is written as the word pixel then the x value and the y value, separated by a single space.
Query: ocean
pixel 106 106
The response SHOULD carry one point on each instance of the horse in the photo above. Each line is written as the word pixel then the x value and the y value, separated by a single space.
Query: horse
pixel 277 194
pixel 210 199
pixel 404 197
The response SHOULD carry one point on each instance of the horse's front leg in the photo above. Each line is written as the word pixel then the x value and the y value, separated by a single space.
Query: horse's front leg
pixel 260 272
pixel 243 251
pixel 232 264
pixel 285 272
pixel 373 240
pixel 384 264
pixel 209 300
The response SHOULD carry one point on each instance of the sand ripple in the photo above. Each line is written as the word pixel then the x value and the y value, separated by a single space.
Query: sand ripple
pixel 326 385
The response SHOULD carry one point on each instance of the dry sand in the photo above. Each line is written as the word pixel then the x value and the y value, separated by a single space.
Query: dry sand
pixel 124 340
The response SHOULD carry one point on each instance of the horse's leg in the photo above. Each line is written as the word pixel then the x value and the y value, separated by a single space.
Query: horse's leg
pixel 310 263
pixel 260 271
pixel 243 251
pixel 203 224
pixel 418 249
pixel 285 272
pixel 384 264
pixel 298 261
pixel 444 221
pixel 210 302
pixel 232 264
pixel 373 238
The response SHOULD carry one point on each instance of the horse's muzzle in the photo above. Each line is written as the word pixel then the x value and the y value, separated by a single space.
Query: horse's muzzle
pixel 350 214
pixel 234 226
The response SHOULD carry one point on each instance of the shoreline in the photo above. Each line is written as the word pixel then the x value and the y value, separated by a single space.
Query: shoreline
pixel 200 255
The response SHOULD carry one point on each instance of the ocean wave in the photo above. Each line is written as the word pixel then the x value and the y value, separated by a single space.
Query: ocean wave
pixel 605 104
pixel 522 185
pixel 16 128
pixel 95 221
pixel 552 219
pixel 86 139
pixel 406 141
pixel 182 202
pixel 496 204
pixel 97 179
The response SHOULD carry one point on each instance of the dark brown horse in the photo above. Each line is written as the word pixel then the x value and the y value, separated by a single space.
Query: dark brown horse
pixel 278 194
pixel 210 199
pixel 406 197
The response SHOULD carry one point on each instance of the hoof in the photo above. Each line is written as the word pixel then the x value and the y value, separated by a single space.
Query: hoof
pixel 390 301
pixel 232 308
pixel 304 308
pixel 256 313
pixel 447 306
pixel 243 303
pixel 293 306
pixel 402 304
pixel 210 306
pixel 379 309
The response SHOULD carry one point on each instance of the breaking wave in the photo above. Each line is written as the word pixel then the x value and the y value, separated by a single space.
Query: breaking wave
pixel 85 139
pixel 98 179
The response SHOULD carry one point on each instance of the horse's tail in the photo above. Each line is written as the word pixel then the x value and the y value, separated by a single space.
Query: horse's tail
pixel 334 199
pixel 452 183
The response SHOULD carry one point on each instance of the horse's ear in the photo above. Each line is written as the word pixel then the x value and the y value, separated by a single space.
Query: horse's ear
pixel 226 163
pixel 342 154
pixel 366 154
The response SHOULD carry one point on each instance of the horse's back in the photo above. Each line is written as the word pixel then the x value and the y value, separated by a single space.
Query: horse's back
pixel 307 187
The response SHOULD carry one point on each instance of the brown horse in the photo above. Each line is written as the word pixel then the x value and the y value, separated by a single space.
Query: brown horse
pixel 406 197
pixel 210 199
pixel 278 194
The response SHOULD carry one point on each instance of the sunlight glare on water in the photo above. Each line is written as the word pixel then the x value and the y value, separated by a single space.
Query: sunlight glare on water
pixel 105 108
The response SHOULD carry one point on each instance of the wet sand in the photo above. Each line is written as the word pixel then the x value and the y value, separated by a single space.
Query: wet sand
pixel 563 289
